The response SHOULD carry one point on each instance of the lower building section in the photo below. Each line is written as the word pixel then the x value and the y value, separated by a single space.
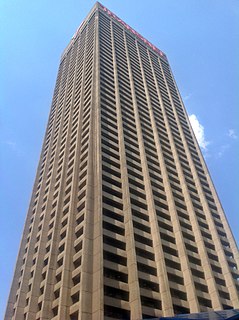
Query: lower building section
pixel 232 314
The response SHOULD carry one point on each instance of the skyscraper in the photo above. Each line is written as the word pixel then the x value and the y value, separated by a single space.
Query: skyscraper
pixel 124 221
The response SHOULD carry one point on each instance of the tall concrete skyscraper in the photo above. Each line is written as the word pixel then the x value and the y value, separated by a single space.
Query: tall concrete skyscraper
pixel 124 221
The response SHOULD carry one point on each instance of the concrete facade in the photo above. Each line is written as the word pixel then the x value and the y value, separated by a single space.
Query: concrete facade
pixel 124 220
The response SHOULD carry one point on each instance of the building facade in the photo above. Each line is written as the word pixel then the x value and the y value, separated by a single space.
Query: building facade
pixel 124 220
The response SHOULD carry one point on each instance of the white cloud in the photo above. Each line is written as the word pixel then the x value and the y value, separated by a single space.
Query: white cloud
pixel 199 132
pixel 232 134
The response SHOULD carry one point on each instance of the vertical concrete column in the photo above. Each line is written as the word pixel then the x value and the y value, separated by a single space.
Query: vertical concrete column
pixel 63 302
pixel 98 285
pixel 134 291
pixel 166 299
pixel 182 252
pixel 85 272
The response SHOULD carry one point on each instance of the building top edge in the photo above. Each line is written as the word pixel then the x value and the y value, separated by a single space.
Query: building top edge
pixel 135 33
pixel 98 5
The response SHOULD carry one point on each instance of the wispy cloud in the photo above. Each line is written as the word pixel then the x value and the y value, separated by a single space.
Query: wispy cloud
pixel 199 132
pixel 232 134
pixel 187 97
pixel 222 150
pixel 11 144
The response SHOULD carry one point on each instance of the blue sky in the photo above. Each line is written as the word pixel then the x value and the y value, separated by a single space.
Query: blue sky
pixel 201 40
